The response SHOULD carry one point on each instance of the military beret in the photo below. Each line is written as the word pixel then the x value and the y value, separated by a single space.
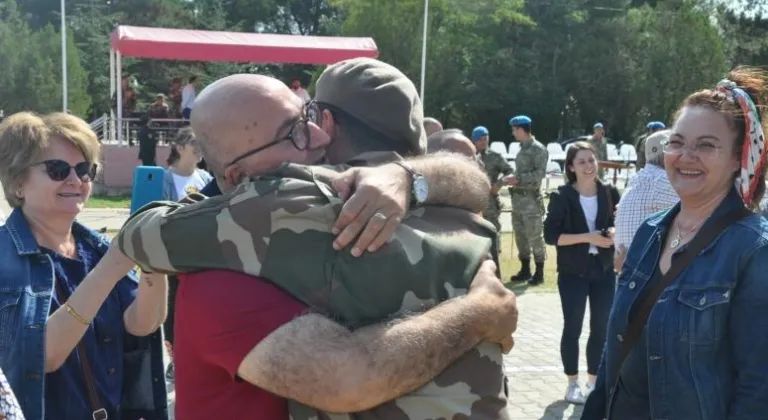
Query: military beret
pixel 656 125
pixel 378 95
pixel 598 125
pixel 478 132
pixel 519 120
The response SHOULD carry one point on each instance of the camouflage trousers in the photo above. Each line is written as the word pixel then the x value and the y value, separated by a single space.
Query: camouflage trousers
pixel 527 213
pixel 492 214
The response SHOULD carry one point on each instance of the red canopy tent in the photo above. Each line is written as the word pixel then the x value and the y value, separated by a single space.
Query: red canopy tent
pixel 198 45
pixel 186 44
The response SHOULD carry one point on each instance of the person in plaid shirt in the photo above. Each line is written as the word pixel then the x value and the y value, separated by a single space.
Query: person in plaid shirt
pixel 647 193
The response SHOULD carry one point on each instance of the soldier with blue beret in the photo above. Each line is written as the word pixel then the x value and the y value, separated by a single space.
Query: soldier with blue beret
pixel 600 144
pixel 650 128
pixel 497 168
pixel 527 202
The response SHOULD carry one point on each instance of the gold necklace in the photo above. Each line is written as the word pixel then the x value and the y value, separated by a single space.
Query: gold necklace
pixel 679 236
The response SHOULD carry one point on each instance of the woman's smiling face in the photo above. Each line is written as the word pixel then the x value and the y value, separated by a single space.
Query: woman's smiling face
pixel 700 156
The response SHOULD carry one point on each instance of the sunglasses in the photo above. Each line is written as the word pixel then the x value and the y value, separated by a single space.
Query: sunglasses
pixel 59 170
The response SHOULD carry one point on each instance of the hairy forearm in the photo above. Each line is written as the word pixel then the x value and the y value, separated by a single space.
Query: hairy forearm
pixel 324 365
pixel 454 180
pixel 62 330
pixel 148 311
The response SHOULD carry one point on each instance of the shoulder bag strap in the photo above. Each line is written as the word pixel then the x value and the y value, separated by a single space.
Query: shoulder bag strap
pixel 679 263
pixel 99 413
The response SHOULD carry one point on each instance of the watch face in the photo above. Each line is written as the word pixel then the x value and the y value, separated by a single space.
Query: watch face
pixel 420 189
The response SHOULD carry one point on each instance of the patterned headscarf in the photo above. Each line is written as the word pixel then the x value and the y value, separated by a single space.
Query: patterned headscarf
pixel 753 151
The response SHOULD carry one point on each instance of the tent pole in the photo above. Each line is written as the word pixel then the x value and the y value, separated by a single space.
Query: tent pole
pixel 119 80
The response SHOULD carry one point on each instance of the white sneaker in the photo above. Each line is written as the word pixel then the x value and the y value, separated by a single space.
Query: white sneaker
pixel 588 388
pixel 573 394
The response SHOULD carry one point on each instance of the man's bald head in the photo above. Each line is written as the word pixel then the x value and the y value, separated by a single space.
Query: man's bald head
pixel 432 126
pixel 451 140
pixel 241 113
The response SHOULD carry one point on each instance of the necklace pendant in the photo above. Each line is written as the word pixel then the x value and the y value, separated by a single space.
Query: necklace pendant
pixel 675 242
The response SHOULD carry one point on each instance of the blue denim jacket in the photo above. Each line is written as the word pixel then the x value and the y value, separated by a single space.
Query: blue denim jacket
pixel 26 287
pixel 707 335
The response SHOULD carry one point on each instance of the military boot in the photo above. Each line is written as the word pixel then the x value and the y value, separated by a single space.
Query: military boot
pixel 525 272
pixel 538 276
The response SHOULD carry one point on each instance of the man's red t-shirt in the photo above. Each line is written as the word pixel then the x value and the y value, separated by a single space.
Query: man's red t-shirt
pixel 220 316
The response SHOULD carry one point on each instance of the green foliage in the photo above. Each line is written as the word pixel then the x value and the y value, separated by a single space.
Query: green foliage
pixel 565 63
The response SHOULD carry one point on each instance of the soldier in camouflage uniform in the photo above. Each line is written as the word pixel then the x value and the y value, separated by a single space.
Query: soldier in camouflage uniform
pixel 600 144
pixel 651 128
pixel 527 203
pixel 497 168
pixel 268 222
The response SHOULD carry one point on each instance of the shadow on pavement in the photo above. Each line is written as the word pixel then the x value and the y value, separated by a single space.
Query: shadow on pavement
pixel 556 411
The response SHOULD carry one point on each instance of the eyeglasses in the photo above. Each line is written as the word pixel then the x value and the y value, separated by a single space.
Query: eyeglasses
pixel 298 134
pixel 59 170
pixel 703 149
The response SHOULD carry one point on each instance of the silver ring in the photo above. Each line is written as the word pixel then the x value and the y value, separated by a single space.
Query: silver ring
pixel 380 215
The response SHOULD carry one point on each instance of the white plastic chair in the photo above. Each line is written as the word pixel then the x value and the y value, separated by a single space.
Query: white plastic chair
pixel 554 148
pixel 499 147
pixel 553 167
pixel 628 152
pixel 514 149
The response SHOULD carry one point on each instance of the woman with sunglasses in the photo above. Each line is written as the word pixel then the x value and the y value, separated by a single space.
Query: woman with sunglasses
pixel 688 331
pixel 79 338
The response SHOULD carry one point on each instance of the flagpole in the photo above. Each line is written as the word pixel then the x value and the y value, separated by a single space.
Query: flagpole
pixel 63 57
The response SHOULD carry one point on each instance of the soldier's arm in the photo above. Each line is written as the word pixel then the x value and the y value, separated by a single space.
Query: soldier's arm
pixel 229 232
pixel 319 363
pixel 533 178
pixel 454 180
pixel 504 169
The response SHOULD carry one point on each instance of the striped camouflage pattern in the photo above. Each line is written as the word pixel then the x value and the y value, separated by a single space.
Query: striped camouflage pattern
pixel 280 228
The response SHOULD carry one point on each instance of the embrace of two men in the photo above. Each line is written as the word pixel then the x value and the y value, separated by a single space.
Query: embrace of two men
pixel 271 295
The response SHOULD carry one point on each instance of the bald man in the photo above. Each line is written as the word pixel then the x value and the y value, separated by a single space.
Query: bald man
pixel 451 140
pixel 432 126
pixel 234 325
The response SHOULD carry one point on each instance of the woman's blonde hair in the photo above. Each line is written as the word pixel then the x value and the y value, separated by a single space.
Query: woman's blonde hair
pixel 24 138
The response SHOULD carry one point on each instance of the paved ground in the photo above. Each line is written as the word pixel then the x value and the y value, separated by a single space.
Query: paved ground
pixel 537 384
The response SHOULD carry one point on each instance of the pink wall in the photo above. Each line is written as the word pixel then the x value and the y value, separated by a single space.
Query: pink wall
pixel 119 162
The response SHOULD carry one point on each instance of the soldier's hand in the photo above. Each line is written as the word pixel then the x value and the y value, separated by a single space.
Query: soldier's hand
pixel 500 302
pixel 376 201
pixel 511 180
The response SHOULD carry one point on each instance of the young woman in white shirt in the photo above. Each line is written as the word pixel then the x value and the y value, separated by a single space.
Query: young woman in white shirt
pixel 182 178
pixel 580 220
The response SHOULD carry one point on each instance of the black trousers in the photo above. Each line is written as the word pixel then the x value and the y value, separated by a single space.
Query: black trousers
pixel 597 286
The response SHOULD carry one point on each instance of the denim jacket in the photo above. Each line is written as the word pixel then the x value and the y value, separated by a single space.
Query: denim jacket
pixel 26 289
pixel 707 335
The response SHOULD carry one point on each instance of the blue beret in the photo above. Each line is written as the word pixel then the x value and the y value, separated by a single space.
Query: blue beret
pixel 598 125
pixel 519 120
pixel 656 125
pixel 478 132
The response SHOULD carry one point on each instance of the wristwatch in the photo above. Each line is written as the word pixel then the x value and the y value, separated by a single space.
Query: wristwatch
pixel 420 186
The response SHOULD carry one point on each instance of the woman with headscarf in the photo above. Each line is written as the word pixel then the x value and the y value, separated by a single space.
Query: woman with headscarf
pixel 688 329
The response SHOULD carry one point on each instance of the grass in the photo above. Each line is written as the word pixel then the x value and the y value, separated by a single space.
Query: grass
pixel 109 203
pixel 510 265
